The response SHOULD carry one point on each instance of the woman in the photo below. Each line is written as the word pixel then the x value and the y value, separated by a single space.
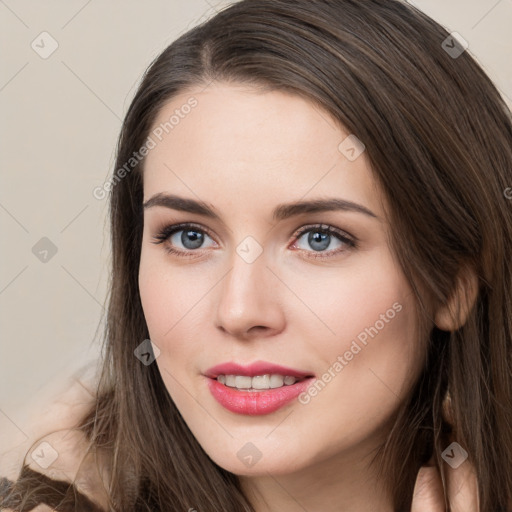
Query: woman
pixel 364 367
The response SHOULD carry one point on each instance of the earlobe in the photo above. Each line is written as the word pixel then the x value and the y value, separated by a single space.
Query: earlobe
pixel 453 315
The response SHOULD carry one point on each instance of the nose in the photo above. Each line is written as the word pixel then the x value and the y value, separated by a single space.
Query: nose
pixel 249 300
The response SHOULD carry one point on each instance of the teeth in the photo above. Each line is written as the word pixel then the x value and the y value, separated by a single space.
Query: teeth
pixel 276 381
pixel 243 382
pixel 261 382
pixel 289 380
pixel 258 382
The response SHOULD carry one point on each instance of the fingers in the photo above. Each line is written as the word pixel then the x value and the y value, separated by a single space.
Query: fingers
pixel 461 481
pixel 461 484
pixel 428 493
pixel 463 488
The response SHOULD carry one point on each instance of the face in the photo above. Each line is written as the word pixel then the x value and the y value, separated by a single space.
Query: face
pixel 315 295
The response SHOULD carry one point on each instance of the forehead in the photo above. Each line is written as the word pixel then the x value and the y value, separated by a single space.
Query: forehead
pixel 239 143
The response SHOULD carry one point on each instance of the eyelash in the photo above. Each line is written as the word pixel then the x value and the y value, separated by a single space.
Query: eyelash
pixel 344 237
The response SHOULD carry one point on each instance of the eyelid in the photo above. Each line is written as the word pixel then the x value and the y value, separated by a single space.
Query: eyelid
pixel 169 229
pixel 328 228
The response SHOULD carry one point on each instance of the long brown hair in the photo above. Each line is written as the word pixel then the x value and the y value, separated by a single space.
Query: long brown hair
pixel 439 139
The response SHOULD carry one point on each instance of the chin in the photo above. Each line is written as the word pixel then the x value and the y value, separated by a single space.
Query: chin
pixel 245 458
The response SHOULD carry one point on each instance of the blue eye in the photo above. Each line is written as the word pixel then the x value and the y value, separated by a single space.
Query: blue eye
pixel 321 236
pixel 192 237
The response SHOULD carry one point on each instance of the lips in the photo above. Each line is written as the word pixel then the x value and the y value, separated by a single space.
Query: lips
pixel 256 368
pixel 250 402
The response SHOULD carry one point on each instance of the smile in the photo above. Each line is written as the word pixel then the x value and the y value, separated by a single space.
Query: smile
pixel 257 389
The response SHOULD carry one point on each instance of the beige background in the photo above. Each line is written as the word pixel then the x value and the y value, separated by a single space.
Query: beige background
pixel 60 120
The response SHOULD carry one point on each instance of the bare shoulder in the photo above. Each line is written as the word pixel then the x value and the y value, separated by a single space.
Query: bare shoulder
pixel 55 457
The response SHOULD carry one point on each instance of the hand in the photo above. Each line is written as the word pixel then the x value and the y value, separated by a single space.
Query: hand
pixel 461 483
pixel 462 489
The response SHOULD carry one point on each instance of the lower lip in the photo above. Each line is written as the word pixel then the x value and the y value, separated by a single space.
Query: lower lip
pixel 256 403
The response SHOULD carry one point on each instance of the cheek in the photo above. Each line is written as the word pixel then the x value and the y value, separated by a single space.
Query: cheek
pixel 370 362
pixel 344 302
pixel 174 299
pixel 167 294
pixel 167 302
pixel 367 331
pixel 155 296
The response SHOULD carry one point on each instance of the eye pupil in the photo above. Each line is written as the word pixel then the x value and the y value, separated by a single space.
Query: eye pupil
pixel 193 237
pixel 319 237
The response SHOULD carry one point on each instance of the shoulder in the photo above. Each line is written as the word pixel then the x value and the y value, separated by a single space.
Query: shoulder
pixel 54 465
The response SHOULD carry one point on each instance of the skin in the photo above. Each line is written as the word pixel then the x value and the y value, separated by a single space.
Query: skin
pixel 243 152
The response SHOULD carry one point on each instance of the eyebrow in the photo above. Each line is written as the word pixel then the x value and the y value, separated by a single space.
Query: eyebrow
pixel 281 212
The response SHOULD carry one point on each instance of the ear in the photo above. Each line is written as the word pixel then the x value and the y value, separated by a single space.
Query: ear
pixel 453 315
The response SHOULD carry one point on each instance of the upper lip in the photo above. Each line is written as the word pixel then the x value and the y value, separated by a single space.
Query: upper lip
pixel 256 368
